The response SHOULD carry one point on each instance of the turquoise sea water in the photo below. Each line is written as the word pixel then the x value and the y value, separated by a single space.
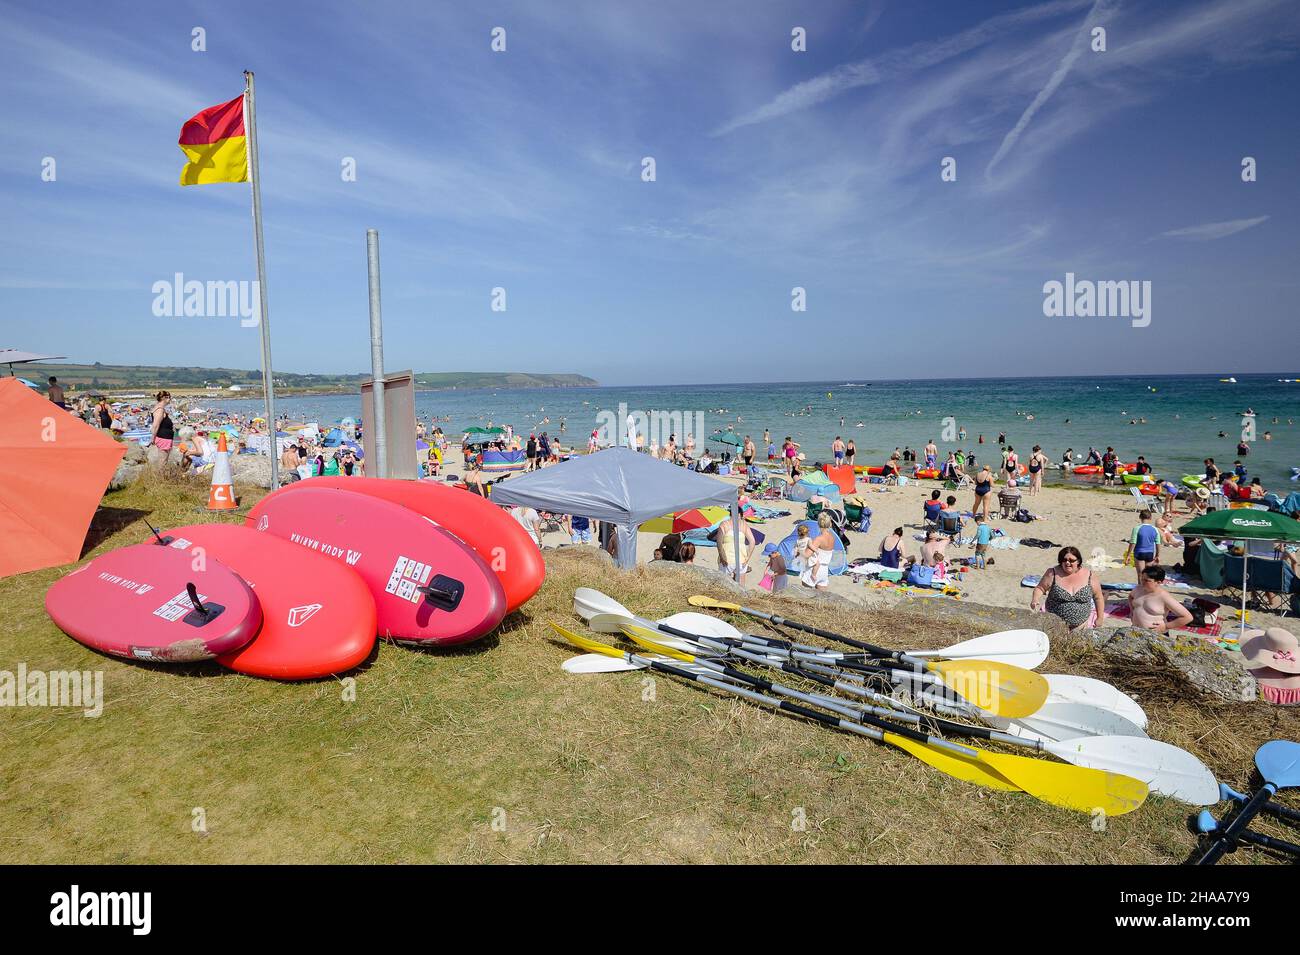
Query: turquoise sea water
pixel 1183 415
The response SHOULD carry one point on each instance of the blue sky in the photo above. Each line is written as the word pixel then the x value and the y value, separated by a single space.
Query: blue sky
pixel 775 169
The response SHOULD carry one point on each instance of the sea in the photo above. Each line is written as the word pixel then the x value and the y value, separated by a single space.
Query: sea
pixel 1175 421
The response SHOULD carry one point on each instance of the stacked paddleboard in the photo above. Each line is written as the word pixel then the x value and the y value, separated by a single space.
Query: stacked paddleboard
pixel 319 570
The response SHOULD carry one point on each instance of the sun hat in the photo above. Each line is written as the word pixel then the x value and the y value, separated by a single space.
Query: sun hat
pixel 1203 493
pixel 1275 649
pixel 769 549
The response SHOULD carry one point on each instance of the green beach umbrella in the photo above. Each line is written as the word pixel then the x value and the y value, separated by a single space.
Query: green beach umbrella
pixel 1243 524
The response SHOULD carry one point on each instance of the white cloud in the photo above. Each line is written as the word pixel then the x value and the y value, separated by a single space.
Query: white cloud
pixel 1213 230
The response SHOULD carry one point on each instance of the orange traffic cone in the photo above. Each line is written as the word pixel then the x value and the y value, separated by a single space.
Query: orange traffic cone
pixel 221 496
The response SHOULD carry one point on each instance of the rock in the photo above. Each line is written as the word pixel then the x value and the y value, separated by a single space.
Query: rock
pixel 124 475
pixel 250 469
pixel 134 454
pixel 1205 666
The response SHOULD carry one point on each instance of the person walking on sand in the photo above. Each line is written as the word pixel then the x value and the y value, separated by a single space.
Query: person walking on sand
pixel 1037 462
pixel 747 452
pixel 1143 544
pixel 931 454
pixel 983 491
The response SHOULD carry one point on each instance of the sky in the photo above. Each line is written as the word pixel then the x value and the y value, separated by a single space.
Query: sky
pixel 775 169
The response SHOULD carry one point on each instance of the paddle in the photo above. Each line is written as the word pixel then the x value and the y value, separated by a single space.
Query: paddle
pixel 938 757
pixel 1025 648
pixel 1206 823
pixel 1082 689
pixel 1278 762
pixel 1000 688
pixel 1282 812
pixel 1164 768
pixel 588 663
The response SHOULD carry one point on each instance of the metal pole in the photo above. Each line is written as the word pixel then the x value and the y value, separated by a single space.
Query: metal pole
pixel 737 531
pixel 268 383
pixel 376 357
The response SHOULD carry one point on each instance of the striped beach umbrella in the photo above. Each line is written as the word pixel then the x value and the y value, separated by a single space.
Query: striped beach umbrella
pixel 685 520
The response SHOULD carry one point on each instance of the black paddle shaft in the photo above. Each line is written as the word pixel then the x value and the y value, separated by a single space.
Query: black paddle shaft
pixel 1269 842
pixel 1226 841
pixel 871 648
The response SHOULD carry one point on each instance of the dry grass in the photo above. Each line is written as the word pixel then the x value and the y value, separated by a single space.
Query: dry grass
pixel 438 746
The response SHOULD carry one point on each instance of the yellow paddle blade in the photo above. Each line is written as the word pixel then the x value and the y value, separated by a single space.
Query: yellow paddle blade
pixel 699 600
pixel 591 646
pixel 1002 689
pixel 1070 787
pixel 644 637
pixel 970 770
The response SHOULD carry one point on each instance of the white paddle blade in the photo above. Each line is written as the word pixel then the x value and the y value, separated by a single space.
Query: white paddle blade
pixel 1166 769
pixel 701 623
pixel 1058 720
pixel 1083 689
pixel 1022 648
pixel 587 603
pixel 608 622
pixel 597 663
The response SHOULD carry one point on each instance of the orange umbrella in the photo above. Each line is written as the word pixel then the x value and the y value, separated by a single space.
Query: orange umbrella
pixel 53 471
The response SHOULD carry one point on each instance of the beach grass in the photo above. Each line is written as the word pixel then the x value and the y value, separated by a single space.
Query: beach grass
pixel 493 754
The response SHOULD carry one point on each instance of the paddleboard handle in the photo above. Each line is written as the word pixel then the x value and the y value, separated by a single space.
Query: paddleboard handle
pixel 443 592
pixel 1226 839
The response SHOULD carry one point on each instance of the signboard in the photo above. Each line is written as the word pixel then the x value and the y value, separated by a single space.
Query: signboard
pixel 399 417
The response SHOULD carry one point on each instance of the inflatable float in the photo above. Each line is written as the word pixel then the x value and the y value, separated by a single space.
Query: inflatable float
pixel 146 602
pixel 428 586
pixel 496 536
pixel 926 473
pixel 318 617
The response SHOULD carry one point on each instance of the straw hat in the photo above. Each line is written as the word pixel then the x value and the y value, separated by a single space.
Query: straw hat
pixel 1275 649
pixel 1203 493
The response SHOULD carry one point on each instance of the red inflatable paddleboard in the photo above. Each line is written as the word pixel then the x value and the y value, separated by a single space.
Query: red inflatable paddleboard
pixel 428 586
pixel 318 617
pixel 147 602
pixel 497 537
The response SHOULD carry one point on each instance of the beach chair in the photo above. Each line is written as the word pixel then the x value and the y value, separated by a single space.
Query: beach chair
pixel 950 525
pixel 1008 504
pixel 1146 502
pixel 1267 578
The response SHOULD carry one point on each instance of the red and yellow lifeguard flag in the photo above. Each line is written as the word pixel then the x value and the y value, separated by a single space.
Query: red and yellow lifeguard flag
pixel 215 142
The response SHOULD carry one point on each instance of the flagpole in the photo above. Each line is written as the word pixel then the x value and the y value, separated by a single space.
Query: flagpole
pixel 268 384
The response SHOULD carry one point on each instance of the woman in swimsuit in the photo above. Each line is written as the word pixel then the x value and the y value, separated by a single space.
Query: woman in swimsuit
pixel 1070 591
pixel 891 550
pixel 983 487
pixel 1037 461
pixel 164 431
pixel 850 450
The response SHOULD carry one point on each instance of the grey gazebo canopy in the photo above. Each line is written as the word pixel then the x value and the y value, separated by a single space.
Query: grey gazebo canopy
pixel 618 485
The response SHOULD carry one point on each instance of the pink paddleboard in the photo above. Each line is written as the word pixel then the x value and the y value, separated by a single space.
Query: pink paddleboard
pixel 136 603
pixel 428 586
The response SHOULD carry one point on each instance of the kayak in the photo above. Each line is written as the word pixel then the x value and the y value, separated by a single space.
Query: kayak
pixel 1139 479
pixel 1088 469
pixel 1193 480
pixel 873 469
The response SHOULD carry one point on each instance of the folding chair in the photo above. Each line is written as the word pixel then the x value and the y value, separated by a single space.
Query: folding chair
pixel 1008 504
pixel 950 525
pixel 1146 502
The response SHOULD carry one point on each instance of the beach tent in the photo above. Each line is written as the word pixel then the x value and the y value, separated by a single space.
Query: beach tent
pixel 621 486
pixel 842 476
pixel 335 438
pixel 814 484
pixel 1243 525
pixel 53 471
pixel 839 557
